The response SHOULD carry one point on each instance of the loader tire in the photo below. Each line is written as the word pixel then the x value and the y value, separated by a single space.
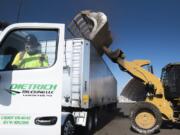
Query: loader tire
pixel 145 118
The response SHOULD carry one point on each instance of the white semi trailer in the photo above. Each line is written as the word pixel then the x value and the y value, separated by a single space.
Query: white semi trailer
pixel 51 100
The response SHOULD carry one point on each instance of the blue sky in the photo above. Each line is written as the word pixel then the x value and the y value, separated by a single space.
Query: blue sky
pixel 143 29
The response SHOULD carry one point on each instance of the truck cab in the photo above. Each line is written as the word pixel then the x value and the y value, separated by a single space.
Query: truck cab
pixel 30 98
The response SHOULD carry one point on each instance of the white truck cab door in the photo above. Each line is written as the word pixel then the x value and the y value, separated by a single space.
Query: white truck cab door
pixel 30 93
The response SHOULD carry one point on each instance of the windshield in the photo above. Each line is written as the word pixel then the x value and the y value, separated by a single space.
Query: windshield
pixel 171 80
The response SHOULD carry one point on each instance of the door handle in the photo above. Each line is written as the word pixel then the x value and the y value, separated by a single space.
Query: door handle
pixel 46 121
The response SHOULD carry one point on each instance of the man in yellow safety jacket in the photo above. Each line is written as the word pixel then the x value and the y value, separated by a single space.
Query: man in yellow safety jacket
pixel 32 56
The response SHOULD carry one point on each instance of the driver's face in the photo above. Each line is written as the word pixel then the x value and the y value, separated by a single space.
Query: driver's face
pixel 30 47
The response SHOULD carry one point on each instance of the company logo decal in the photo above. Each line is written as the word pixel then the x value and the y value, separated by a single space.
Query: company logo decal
pixel 39 90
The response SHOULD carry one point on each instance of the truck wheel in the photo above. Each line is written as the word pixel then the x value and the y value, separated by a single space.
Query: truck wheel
pixel 96 119
pixel 68 127
pixel 89 123
pixel 145 118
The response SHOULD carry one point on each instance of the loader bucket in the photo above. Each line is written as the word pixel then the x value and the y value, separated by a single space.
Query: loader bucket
pixel 92 26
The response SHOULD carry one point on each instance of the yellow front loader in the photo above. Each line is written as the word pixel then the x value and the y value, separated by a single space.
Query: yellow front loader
pixel 147 115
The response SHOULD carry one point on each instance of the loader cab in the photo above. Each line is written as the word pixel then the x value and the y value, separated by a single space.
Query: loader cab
pixel 171 80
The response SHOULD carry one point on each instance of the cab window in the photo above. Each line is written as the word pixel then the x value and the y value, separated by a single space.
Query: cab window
pixel 28 49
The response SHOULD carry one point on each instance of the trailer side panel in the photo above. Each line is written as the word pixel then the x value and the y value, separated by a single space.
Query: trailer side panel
pixel 87 81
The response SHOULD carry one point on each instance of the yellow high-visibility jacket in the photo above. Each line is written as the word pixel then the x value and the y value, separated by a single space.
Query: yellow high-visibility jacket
pixel 24 60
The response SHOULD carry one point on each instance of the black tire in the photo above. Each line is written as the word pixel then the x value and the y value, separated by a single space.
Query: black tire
pixel 68 127
pixel 89 123
pixel 151 115
pixel 96 119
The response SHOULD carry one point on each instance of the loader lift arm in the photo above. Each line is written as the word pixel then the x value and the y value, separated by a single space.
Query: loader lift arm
pixel 134 68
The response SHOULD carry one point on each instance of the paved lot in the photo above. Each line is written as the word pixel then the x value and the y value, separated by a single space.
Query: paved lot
pixel 116 124
pixel 121 126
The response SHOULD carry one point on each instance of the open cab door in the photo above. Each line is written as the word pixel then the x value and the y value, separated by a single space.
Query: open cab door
pixel 30 94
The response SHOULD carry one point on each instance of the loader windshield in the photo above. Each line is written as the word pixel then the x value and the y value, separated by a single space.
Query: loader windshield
pixel 171 80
